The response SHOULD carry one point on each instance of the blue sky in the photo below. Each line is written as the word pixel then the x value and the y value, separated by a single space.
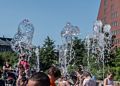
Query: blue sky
pixel 48 17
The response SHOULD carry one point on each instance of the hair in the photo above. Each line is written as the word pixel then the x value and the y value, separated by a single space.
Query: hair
pixel 86 74
pixel 110 72
pixel 22 56
pixel 80 69
pixel 54 71
pixel 41 78
pixel 73 76
pixel 8 60
pixel 20 66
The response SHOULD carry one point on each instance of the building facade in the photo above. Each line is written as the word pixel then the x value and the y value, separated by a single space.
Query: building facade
pixel 109 13
pixel 5 44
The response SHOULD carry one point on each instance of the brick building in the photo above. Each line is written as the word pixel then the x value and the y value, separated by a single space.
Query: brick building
pixel 109 13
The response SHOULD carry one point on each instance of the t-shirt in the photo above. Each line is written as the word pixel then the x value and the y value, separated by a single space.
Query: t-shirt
pixel 52 82
pixel 7 66
pixel 25 64
pixel 110 82
pixel 89 82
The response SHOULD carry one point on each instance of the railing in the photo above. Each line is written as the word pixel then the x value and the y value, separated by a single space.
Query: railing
pixel 100 83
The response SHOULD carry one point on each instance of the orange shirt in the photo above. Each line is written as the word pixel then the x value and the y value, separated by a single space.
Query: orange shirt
pixel 52 82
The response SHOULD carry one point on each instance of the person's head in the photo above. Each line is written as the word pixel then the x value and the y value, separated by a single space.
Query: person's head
pixel 7 62
pixel 22 56
pixel 74 77
pixel 86 74
pixel 110 75
pixel 64 78
pixel 54 71
pixel 39 79
pixel 80 69
pixel 20 67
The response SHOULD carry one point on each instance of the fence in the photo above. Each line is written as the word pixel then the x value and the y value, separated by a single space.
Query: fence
pixel 100 83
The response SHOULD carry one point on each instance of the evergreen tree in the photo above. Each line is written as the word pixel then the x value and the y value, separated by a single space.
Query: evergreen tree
pixel 80 52
pixel 116 64
pixel 8 55
pixel 47 54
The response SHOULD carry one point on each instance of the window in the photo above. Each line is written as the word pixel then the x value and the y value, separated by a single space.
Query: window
pixel 115 23
pixel 115 32
pixel 104 20
pixel 105 3
pixel 112 7
pixel 114 15
pixel 105 6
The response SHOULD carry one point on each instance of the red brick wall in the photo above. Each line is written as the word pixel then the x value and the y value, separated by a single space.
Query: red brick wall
pixel 109 12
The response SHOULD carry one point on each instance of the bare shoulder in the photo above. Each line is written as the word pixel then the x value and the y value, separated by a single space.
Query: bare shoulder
pixel 105 79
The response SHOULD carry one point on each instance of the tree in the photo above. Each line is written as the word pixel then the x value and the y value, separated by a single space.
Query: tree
pixel 47 54
pixel 112 63
pixel 80 52
pixel 8 55
pixel 80 55
pixel 33 59
pixel 116 64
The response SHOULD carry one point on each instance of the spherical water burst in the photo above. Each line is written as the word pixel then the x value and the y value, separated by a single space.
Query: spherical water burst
pixel 23 38
pixel 75 31
pixel 26 29
pixel 107 28
pixel 69 31
pixel 66 30
pixel 97 26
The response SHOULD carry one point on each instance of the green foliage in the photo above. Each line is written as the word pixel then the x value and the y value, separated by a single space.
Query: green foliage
pixel 32 60
pixel 47 54
pixel 112 64
pixel 80 55
pixel 80 52
pixel 8 55
pixel 72 68
pixel 95 67
pixel 116 64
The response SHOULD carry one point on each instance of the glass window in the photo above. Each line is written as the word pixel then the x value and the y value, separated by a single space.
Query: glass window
pixel 115 23
pixel 114 14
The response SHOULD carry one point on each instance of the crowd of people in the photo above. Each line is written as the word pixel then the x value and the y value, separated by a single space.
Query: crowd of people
pixel 23 77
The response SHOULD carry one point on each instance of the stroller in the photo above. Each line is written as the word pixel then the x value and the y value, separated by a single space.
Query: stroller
pixel 11 79
pixel 2 83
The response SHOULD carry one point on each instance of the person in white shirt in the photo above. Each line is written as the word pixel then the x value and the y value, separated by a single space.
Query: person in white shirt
pixel 88 81
pixel 108 81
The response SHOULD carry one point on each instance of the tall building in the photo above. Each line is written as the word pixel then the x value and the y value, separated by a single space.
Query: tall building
pixel 109 13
